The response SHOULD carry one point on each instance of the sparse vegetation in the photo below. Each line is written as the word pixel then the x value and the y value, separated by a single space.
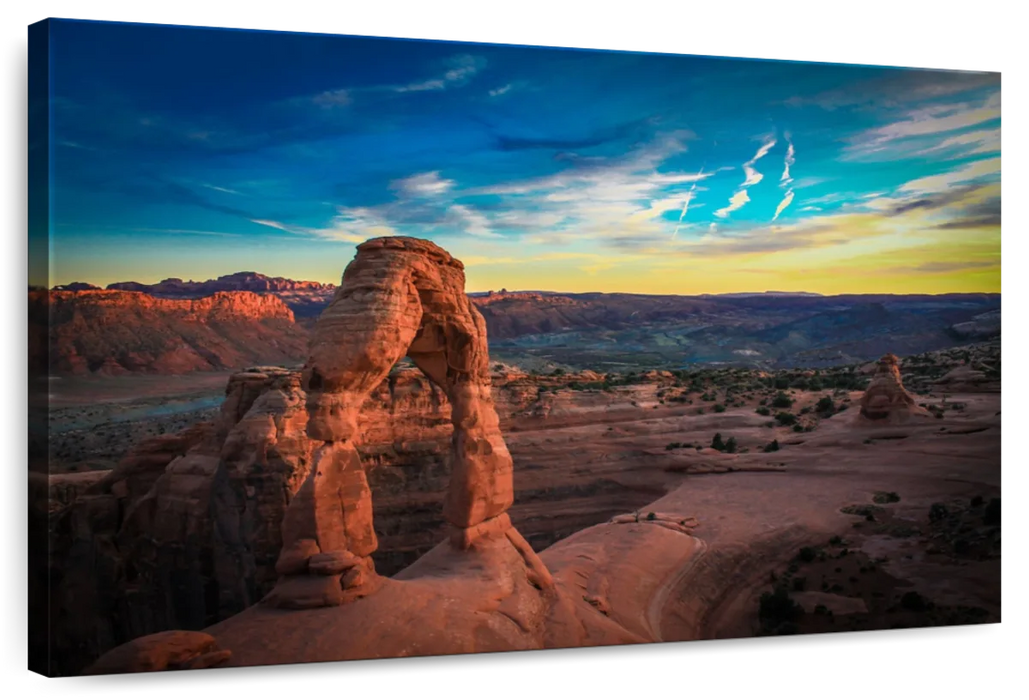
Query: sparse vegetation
pixel 785 418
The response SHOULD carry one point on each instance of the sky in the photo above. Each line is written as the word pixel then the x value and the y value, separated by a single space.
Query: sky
pixel 193 153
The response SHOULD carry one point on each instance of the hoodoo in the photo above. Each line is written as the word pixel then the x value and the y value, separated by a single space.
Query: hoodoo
pixel 886 399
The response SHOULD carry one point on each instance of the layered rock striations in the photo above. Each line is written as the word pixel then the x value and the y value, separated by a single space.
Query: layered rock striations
pixel 118 332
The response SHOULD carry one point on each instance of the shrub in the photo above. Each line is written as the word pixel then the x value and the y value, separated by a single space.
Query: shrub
pixel 716 442
pixel 785 418
pixel 719 408
pixel 825 406
pixel 651 516
pixel 992 514
pixel 731 446
pixel 914 601
pixel 798 428
pixel 773 446
pixel 807 554
pixel 782 383
pixel 937 512
pixel 763 411
pixel 782 400
pixel 673 445
pixel 886 497
pixel 777 608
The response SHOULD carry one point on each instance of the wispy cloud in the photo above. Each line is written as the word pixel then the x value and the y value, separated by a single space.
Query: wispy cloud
pixel 473 223
pixel 752 177
pixel 980 142
pixel 686 204
pixel 735 202
pixel 967 173
pixel 897 89
pixel 788 161
pixel 460 70
pixel 787 198
pixel 350 225
pixel 423 184
pixel 331 99
pixel 906 137
pixel 502 90
pixel 216 188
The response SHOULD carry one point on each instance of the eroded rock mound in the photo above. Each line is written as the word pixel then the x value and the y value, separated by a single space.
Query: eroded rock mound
pixel 399 296
pixel 164 651
pixel 886 399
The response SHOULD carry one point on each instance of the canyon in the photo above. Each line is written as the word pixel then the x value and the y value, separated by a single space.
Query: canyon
pixel 604 332
pixel 642 506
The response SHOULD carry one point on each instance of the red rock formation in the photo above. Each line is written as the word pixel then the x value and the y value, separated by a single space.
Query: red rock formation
pixel 164 651
pixel 885 399
pixel 400 296
pixel 115 332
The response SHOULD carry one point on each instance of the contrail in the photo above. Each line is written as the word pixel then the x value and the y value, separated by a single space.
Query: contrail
pixel 686 202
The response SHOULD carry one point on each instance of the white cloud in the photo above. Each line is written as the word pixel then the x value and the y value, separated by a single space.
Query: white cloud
pixel 785 180
pixel 783 204
pixel 979 142
pixel 503 90
pixel 350 225
pixel 922 123
pixel 461 69
pixel 943 181
pixel 471 221
pixel 752 177
pixel 423 185
pixel 735 202
pixel 220 189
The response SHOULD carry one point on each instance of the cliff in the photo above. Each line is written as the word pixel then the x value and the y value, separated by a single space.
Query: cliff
pixel 117 332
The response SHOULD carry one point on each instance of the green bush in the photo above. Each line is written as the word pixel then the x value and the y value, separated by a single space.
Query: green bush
pixel 785 418
pixel 719 408
pixel 731 446
pixel 825 406
pixel 763 411
pixel 773 446
pixel 716 442
pixel 886 497
pixel 782 400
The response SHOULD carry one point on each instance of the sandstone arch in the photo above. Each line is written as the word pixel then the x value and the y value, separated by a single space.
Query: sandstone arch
pixel 399 297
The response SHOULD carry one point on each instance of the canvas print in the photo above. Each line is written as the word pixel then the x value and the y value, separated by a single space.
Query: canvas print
pixel 354 348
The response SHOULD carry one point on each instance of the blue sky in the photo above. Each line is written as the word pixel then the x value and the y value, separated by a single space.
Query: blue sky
pixel 194 152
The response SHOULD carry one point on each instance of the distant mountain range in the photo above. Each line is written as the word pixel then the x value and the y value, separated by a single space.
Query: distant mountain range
pixel 109 331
